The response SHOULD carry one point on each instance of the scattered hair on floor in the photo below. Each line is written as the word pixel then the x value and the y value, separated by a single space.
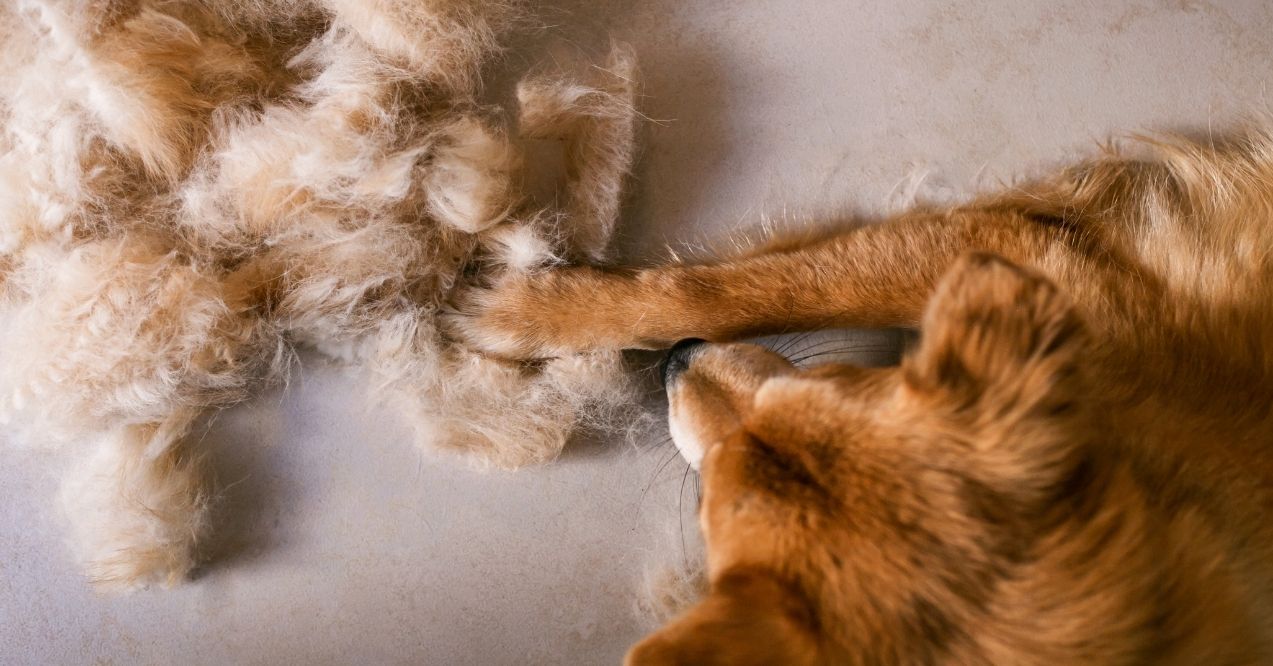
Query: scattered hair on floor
pixel 190 190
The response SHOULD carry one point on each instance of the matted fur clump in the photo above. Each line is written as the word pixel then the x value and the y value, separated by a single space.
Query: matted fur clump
pixel 189 189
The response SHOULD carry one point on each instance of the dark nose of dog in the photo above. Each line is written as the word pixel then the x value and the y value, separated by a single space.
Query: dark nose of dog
pixel 678 358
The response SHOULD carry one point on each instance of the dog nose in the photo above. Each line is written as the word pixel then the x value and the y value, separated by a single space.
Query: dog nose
pixel 678 358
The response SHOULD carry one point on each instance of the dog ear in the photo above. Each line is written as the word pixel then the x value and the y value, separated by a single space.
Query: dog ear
pixel 749 618
pixel 998 359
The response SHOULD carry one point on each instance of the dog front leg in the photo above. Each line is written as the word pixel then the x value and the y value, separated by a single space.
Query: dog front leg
pixel 877 276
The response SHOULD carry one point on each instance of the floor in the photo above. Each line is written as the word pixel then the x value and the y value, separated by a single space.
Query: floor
pixel 345 545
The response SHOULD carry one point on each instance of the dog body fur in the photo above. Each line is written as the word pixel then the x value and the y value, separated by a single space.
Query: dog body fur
pixel 1075 464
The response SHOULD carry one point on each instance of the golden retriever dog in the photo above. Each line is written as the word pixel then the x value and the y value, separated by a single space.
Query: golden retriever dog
pixel 1074 464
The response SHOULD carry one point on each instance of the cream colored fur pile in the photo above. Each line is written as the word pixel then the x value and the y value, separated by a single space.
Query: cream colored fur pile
pixel 191 189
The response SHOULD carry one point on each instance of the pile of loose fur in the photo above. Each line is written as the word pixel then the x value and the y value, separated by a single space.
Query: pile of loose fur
pixel 190 188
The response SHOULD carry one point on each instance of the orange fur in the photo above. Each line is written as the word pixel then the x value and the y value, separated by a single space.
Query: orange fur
pixel 1073 465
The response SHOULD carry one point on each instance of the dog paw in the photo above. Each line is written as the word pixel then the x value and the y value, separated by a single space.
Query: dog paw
pixel 553 313
pixel 521 317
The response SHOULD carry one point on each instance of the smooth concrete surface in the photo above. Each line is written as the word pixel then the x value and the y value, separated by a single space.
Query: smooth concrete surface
pixel 343 545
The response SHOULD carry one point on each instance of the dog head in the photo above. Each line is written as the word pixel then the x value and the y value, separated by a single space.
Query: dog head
pixel 859 515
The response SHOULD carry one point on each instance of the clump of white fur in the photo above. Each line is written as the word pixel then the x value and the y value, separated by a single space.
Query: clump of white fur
pixel 669 590
pixel 597 120
pixel 189 189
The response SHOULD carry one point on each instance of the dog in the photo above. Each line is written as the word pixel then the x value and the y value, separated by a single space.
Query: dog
pixel 1073 464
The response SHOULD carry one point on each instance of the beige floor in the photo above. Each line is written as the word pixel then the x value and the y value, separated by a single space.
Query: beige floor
pixel 344 545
